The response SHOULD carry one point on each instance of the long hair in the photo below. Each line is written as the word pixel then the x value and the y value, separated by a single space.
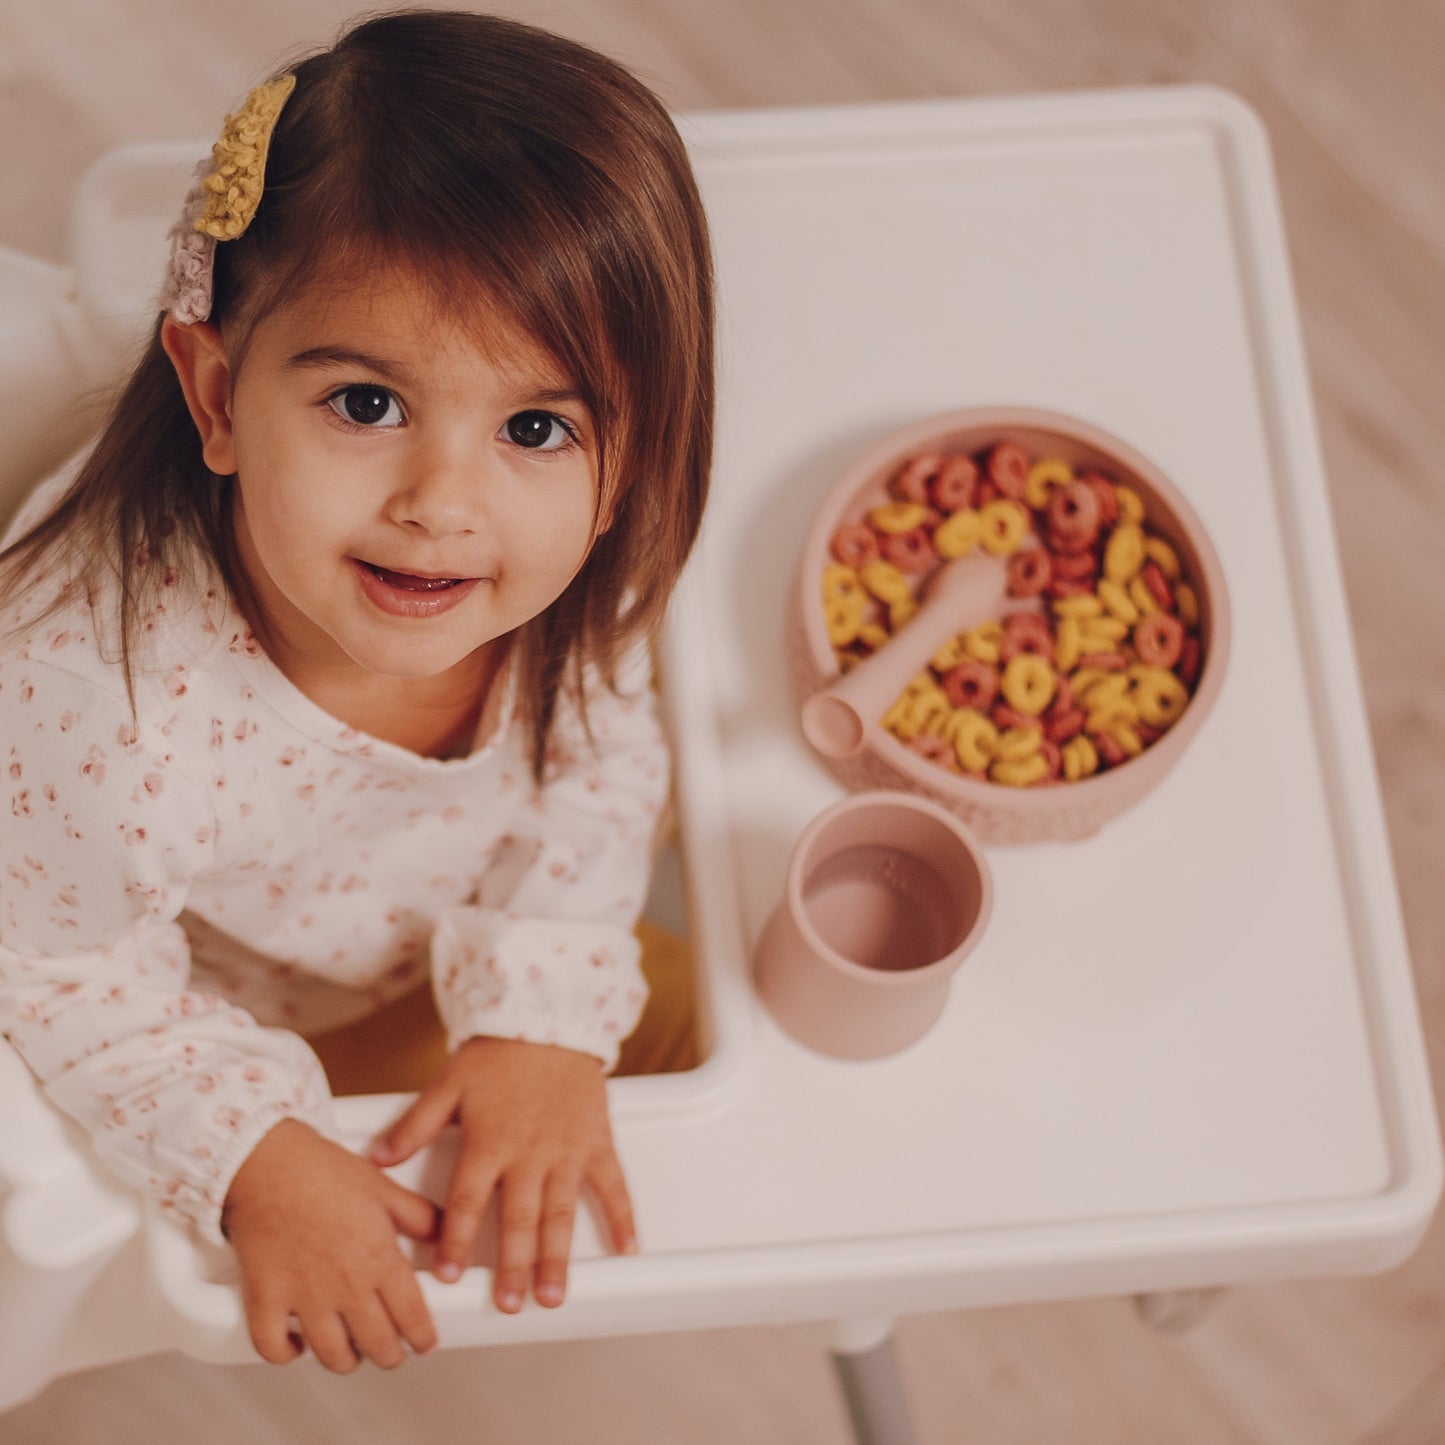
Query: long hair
pixel 509 169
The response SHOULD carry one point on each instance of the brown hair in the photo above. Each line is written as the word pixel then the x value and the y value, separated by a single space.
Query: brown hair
pixel 493 160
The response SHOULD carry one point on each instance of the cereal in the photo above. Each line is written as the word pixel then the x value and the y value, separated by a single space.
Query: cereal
pixel 959 534
pixel 1004 525
pixel 1158 551
pixel 1160 697
pixel 1018 744
pixel 953 485
pixel 910 482
pixel 971 684
pixel 1029 572
pixel 1124 552
pixel 855 545
pixel 910 552
pixel 885 581
pixel 1008 470
pixel 1042 478
pixel 896 517
pixel 1159 640
pixel 984 641
pixel 1073 518
pixel 1054 690
pixel 1025 632
pixel 1028 683
pixel 974 739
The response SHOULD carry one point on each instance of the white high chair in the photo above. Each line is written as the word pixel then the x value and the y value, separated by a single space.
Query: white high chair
pixel 1223 1081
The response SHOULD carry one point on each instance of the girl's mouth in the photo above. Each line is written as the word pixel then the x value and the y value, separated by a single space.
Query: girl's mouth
pixel 408 594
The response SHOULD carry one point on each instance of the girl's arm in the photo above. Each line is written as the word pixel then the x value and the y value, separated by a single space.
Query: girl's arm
pixel 104 831
pixel 547 958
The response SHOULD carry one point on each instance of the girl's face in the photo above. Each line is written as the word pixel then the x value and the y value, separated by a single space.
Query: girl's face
pixel 404 496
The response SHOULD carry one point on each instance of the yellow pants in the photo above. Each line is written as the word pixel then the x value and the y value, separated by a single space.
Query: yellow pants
pixel 401 1047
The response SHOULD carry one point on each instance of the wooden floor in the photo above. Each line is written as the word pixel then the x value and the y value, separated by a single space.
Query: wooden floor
pixel 1351 93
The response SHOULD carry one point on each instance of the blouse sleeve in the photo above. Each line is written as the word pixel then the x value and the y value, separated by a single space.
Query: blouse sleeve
pixel 104 830
pixel 548 953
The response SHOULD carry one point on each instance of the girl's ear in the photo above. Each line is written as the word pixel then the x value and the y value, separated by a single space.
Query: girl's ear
pixel 199 357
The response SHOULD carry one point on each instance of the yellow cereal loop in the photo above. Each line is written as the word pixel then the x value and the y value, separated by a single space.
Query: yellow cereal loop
pixel 898 517
pixel 974 738
pixel 1100 634
pixel 840 580
pixel 920 683
pixel 1081 758
pixel 1083 679
pixel 958 535
pixel 873 635
pixel 843 617
pixel 1022 774
pixel 885 582
pixel 1104 690
pixel 982 643
pixel 1110 717
pixel 1159 552
pixel 1018 743
pixel 1186 603
pixel 1028 683
pixel 1142 597
pixel 1131 506
pixel 1159 696
pixel 902 612
pixel 1116 599
pixel 847 661
pixel 928 709
pixel 1127 738
pixel 949 655
pixel 1005 525
pixel 1068 643
pixel 1080 607
pixel 1123 553
pixel 1043 477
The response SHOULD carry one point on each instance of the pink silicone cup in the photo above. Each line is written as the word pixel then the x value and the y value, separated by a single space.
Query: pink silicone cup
pixel 854 963
pixel 1000 814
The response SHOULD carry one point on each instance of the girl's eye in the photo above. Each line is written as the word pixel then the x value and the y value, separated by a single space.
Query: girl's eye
pixel 540 431
pixel 368 406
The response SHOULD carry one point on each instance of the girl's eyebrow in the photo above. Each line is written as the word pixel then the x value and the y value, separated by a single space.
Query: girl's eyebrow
pixel 341 356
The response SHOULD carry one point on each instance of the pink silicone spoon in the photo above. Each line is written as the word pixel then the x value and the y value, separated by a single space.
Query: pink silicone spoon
pixel 959 596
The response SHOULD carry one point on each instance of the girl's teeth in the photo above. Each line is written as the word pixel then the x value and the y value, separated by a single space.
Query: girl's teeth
pixel 408 583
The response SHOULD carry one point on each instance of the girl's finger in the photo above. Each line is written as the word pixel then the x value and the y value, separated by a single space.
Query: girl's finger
pixel 427 1117
pixel 330 1343
pixel 559 1212
pixel 610 1187
pixel 402 1297
pixel 521 1207
pixel 413 1214
pixel 468 1194
pixel 269 1324
pixel 373 1332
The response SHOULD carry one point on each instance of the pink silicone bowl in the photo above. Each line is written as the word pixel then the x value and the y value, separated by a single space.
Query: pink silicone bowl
pixel 1000 814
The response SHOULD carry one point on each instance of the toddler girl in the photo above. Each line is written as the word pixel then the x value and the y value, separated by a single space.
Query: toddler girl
pixel 327 666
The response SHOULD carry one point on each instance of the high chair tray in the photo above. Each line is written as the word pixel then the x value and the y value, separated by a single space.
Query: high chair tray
pixel 1187 1051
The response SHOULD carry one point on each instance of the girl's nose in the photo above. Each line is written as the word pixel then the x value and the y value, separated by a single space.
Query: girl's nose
pixel 442 491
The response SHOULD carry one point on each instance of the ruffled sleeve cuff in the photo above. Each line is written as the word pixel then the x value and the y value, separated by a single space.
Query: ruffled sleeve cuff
pixel 576 984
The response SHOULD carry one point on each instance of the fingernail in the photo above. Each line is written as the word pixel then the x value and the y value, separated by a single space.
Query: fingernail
pixel 381 1151
pixel 449 1273
pixel 629 1245
pixel 511 1301
pixel 549 1294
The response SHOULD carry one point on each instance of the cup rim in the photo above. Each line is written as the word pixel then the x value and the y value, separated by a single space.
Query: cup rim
pixel 886 978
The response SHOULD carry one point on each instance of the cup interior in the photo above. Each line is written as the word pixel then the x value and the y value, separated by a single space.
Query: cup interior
pixel 890 888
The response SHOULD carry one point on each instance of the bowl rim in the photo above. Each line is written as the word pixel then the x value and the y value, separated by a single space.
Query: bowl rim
pixel 913 437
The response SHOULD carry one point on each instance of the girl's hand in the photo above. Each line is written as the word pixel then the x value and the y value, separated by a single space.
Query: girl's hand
pixel 314 1227
pixel 535 1128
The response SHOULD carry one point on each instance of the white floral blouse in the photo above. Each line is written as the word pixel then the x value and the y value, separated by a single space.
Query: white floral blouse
pixel 183 895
